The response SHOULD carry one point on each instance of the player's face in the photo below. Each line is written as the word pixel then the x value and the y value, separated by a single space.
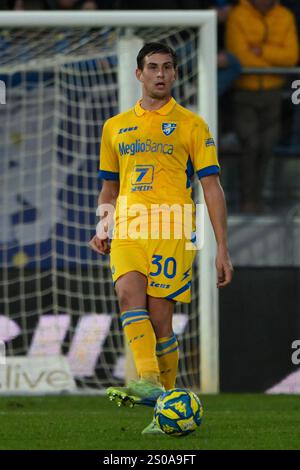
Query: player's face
pixel 157 75
pixel 263 5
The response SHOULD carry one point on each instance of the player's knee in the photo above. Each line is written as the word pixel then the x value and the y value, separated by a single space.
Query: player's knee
pixel 131 291
pixel 129 297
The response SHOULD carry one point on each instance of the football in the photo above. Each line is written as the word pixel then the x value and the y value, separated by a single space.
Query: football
pixel 178 412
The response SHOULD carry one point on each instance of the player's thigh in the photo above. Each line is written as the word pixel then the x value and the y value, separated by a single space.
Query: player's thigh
pixel 129 267
pixel 161 314
pixel 131 290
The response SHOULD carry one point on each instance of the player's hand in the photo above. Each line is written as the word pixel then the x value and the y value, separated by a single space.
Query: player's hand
pixel 224 268
pixel 100 246
pixel 100 241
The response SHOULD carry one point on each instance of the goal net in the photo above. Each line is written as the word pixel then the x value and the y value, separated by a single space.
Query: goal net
pixel 59 318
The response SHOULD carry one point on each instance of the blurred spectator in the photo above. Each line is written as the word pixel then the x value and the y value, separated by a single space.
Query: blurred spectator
pixel 62 4
pixel 171 5
pixel 26 4
pixel 145 5
pixel 229 67
pixel 67 4
pixel 81 4
pixel 89 5
pixel 18 5
pixel 261 33
pixel 51 4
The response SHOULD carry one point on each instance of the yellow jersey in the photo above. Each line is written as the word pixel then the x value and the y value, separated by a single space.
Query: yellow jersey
pixel 154 154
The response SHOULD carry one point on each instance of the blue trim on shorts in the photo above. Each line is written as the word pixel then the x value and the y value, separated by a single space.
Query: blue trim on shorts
pixel 180 291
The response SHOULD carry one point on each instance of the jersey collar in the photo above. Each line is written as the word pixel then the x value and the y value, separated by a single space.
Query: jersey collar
pixel 163 111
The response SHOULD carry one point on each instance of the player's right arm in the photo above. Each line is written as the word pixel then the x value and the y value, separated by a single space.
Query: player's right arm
pixel 109 174
pixel 107 198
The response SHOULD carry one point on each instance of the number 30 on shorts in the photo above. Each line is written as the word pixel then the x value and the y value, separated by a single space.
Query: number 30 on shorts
pixel 167 266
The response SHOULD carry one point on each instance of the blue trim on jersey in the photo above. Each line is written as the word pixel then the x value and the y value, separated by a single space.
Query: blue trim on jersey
pixel 166 344
pixel 189 172
pixel 209 170
pixel 108 175
pixel 179 291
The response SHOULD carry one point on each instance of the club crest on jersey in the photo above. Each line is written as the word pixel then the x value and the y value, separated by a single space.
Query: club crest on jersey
pixel 168 127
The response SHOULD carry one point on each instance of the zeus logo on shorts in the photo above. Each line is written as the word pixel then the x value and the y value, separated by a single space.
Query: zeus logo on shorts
pixel 157 284
pixel 145 147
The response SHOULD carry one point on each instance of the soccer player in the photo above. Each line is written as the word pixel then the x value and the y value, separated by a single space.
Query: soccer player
pixel 148 156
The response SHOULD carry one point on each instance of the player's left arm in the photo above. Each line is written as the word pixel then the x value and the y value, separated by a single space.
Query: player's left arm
pixel 216 205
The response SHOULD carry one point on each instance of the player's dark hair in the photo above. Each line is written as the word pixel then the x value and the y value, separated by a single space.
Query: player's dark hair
pixel 155 48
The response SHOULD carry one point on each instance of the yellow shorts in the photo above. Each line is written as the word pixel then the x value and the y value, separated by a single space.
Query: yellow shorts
pixel 167 264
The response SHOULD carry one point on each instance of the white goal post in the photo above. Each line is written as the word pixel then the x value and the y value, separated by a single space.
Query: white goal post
pixel 129 44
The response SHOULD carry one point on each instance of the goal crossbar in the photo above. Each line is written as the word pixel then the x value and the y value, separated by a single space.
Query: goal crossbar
pixel 40 19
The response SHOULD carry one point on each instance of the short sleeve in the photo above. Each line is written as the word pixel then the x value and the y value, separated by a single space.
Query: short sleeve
pixel 109 164
pixel 203 151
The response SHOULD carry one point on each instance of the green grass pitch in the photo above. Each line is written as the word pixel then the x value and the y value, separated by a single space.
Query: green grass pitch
pixel 84 422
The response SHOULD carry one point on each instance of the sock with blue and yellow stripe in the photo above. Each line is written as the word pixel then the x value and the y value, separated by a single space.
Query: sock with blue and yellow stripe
pixel 141 338
pixel 167 352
